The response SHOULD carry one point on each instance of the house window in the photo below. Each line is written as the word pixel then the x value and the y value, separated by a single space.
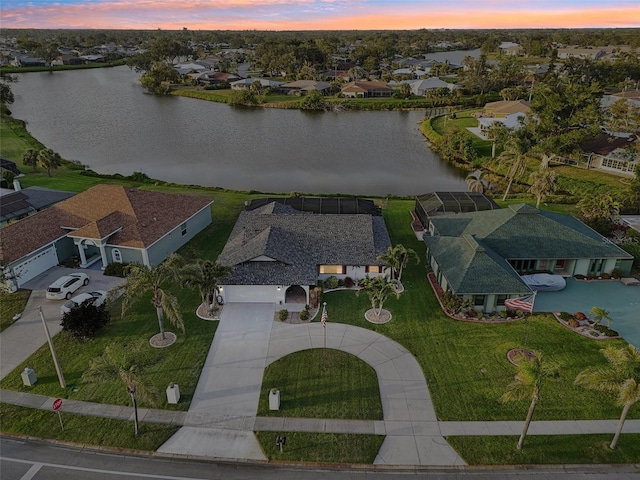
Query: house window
pixel 116 255
pixel 478 300
pixel 560 264
pixel 500 300
pixel 333 269
pixel 373 269
pixel 183 229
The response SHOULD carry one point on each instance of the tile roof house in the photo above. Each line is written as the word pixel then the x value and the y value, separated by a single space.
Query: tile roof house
pixel 277 252
pixel 504 108
pixel 481 255
pixel 106 223
pixel 367 89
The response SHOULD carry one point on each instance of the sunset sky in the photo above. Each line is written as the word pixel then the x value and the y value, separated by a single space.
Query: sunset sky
pixel 317 14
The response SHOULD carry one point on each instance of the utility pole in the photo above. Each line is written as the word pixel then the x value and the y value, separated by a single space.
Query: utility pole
pixel 56 362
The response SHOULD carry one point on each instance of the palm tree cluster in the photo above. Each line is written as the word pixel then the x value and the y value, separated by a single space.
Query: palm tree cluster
pixel 397 258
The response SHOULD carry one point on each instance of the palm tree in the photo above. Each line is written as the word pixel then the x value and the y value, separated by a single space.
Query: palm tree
pixel 497 132
pixel 621 377
pixel 600 314
pixel 30 158
pixel 475 181
pixel 49 159
pixel 378 289
pixel 142 279
pixel 543 183
pixel 528 382
pixel 397 258
pixel 205 276
pixel 514 154
pixel 127 363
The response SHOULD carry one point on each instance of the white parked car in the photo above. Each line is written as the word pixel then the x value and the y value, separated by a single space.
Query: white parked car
pixel 65 286
pixel 97 298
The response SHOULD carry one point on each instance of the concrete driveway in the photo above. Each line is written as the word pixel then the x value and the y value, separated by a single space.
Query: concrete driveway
pixel 24 337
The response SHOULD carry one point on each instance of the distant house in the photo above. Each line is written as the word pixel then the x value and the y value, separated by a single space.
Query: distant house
pixel 513 121
pixel 611 153
pixel 504 108
pixel 107 224
pixel 302 87
pixel 245 83
pixel 367 89
pixel 209 77
pixel 631 96
pixel 278 253
pixel 422 87
pixel 593 53
pixel 480 256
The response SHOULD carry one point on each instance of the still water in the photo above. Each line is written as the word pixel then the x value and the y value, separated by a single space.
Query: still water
pixel 103 119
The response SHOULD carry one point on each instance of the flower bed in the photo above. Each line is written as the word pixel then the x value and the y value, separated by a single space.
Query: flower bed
pixel 584 326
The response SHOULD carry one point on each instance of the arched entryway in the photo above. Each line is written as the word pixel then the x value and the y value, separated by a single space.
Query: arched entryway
pixel 295 294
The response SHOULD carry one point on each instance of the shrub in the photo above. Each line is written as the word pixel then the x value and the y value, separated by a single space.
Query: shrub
pixel 579 316
pixel 573 323
pixel 566 316
pixel 503 314
pixel 579 277
pixel 283 314
pixel 591 276
pixel 606 276
pixel 453 303
pixel 116 270
pixel 340 282
pixel 85 320
pixel 605 330
pixel 616 273
pixel 304 315
pixel 331 282
pixel 348 282
pixel 479 315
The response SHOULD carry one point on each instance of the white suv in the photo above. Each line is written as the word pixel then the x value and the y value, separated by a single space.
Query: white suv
pixel 65 286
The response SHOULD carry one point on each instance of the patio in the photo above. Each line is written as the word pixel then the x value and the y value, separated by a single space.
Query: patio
pixel 622 302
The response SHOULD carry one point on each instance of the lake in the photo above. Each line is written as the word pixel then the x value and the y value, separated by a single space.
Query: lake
pixel 104 119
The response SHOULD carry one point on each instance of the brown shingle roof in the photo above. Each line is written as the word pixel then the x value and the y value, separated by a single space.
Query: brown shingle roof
pixel 144 217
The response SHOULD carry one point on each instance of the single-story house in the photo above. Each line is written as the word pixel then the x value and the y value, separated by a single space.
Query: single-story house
pixel 480 256
pixel 504 108
pixel 106 223
pixel 302 87
pixel 593 53
pixel 9 165
pixel 278 253
pixel 513 121
pixel 19 203
pixel 367 89
pixel 612 153
pixel 245 83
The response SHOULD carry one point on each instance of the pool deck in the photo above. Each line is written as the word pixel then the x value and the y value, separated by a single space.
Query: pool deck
pixel 622 302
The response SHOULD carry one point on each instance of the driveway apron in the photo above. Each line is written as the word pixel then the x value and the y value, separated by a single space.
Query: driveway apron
pixel 229 387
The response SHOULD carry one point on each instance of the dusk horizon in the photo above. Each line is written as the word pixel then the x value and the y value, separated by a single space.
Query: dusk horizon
pixel 322 15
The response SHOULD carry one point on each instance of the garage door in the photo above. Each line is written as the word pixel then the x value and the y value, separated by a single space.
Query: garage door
pixel 250 293
pixel 36 265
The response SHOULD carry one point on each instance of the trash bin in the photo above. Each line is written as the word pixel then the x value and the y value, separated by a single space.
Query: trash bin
pixel 29 377
pixel 173 393
pixel 274 399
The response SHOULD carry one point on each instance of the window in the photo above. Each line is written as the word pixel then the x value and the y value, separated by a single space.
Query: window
pixel 560 264
pixel 183 229
pixel 334 269
pixel 478 300
pixel 116 255
pixel 500 299
pixel 373 269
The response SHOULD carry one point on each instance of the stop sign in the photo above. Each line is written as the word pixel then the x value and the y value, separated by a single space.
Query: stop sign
pixel 57 404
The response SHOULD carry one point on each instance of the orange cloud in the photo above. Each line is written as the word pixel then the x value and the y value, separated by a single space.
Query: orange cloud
pixel 307 15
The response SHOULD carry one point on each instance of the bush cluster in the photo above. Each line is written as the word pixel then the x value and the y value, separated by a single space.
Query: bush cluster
pixel 85 320
pixel 304 314
pixel 116 270
pixel 283 314
pixel 332 282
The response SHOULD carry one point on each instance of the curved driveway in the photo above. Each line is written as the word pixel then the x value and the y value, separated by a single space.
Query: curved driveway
pixel 247 340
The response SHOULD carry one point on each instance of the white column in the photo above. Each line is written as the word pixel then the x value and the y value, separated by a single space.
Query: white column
pixel 83 258
pixel 103 254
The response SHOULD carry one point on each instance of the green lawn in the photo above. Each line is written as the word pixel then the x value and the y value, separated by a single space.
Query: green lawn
pixel 322 383
pixel 10 305
pixel 81 429
pixel 550 450
pixel 321 447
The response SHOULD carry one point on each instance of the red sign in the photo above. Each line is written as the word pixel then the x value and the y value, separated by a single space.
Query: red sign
pixel 57 404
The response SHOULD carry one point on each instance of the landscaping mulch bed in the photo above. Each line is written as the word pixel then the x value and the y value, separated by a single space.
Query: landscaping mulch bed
pixel 204 313
pixel 158 342
pixel 371 317
pixel 515 355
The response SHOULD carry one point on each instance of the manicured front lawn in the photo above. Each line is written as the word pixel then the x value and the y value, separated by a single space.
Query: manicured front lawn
pixel 322 383
pixel 550 450
pixel 321 447
pixel 10 305
pixel 82 429
pixel 179 363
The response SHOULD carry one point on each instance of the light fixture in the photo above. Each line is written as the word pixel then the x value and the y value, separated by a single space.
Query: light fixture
pixel 279 287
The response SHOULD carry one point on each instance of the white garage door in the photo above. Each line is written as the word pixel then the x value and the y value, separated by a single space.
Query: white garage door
pixel 250 293
pixel 36 265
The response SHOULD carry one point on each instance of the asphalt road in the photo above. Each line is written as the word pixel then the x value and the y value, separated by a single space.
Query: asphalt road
pixel 36 460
